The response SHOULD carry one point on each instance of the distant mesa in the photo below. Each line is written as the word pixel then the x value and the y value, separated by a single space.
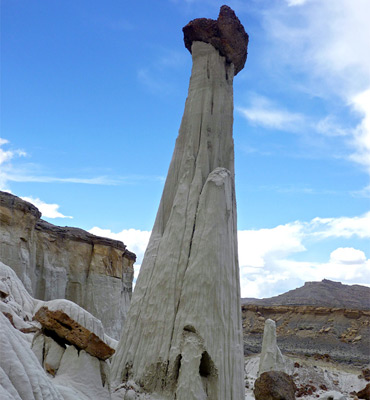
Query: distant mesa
pixel 325 293
pixel 226 34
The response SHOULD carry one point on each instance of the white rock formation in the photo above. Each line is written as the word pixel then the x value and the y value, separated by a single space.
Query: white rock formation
pixel 184 323
pixel 21 375
pixel 79 376
pixel 52 369
pixel 271 358
pixel 17 305
pixel 55 262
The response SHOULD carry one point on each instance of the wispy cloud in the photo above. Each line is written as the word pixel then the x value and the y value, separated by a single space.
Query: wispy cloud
pixel 155 76
pixel 293 3
pixel 361 134
pixel 100 180
pixel 6 156
pixel 48 210
pixel 328 47
pixel 264 112
pixel 11 171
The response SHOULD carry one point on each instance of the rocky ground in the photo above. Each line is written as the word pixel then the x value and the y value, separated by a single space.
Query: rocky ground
pixel 342 334
pixel 314 378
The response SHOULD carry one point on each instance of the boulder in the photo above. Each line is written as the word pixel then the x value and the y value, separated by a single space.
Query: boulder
pixel 73 325
pixel 226 34
pixel 274 385
pixel 364 393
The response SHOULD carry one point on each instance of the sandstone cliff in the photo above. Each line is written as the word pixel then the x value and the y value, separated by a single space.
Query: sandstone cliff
pixel 61 262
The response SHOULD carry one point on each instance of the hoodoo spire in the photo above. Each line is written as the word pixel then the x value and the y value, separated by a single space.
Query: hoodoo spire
pixel 183 336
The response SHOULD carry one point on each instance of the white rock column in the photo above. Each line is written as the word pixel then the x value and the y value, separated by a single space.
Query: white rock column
pixel 271 358
pixel 185 316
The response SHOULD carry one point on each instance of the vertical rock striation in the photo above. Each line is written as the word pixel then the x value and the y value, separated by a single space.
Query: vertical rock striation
pixel 62 262
pixel 183 334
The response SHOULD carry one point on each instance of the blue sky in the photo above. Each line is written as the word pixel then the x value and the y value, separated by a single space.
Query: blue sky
pixel 92 99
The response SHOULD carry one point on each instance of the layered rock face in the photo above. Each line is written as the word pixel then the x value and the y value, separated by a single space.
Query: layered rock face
pixel 182 337
pixel 55 262
pixel 325 333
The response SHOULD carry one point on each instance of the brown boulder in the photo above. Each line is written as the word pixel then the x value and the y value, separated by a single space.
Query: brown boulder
pixel 366 374
pixel 226 34
pixel 364 393
pixel 274 385
pixel 71 332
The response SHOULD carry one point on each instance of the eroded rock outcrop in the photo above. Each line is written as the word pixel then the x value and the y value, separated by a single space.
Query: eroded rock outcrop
pixel 184 323
pixel 68 322
pixel 57 367
pixel 60 262
pixel 21 376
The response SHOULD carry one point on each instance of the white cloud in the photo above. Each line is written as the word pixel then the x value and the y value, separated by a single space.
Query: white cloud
pixel 295 2
pixel 264 113
pixel 258 246
pixel 5 157
pixel 345 227
pixel 267 256
pixel 329 45
pixel 361 135
pixel 328 126
pixel 47 210
pixel 347 255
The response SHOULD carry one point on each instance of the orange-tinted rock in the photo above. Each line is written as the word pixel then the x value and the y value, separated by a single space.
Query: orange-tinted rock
pixel 226 34
pixel 73 333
